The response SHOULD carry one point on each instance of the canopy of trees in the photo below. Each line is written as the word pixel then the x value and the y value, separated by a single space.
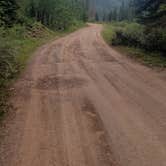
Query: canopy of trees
pixel 55 13
pixel 58 14
pixel 8 12
pixel 151 12
pixel 108 10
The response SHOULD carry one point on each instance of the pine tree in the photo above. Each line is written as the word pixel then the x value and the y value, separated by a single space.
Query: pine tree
pixel 122 12
pixel 97 17
pixel 110 18
pixel 8 12
pixel 104 17
pixel 151 12
pixel 58 14
pixel 114 14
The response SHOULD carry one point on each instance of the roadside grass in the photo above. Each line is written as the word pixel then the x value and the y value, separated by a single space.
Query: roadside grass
pixel 77 25
pixel 28 46
pixel 108 33
pixel 153 60
pixel 19 49
pixel 19 45
pixel 150 59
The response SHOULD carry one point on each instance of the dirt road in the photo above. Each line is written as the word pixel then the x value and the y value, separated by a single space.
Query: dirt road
pixel 80 103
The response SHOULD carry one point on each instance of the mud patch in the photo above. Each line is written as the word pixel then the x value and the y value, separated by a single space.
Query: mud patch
pixel 73 51
pixel 91 113
pixel 60 82
pixel 22 89
pixel 101 141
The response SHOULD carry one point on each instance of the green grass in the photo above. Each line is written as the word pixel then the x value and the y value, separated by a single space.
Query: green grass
pixel 27 48
pixel 4 106
pixel 29 45
pixel 108 33
pixel 150 59
pixel 23 45
pixel 22 49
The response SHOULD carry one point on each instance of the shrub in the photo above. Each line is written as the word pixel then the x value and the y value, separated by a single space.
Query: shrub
pixel 16 32
pixel 16 44
pixel 8 69
pixel 136 35
pixel 8 65
pixel 155 40
pixel 131 34
pixel 118 38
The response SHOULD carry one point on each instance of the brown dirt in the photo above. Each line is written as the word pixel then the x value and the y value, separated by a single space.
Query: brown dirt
pixel 80 103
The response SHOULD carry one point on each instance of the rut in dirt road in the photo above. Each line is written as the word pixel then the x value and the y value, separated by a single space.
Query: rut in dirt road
pixel 80 103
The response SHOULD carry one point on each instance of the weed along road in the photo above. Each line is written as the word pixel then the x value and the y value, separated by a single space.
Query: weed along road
pixel 80 103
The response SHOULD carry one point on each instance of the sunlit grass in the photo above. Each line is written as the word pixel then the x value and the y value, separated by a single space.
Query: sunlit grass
pixel 108 33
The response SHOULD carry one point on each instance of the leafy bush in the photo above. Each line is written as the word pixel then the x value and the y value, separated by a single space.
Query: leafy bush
pixel 7 59
pixel 136 35
pixel 132 34
pixel 75 25
pixel 3 101
pixel 7 63
pixel 16 44
pixel 155 40
pixel 8 68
